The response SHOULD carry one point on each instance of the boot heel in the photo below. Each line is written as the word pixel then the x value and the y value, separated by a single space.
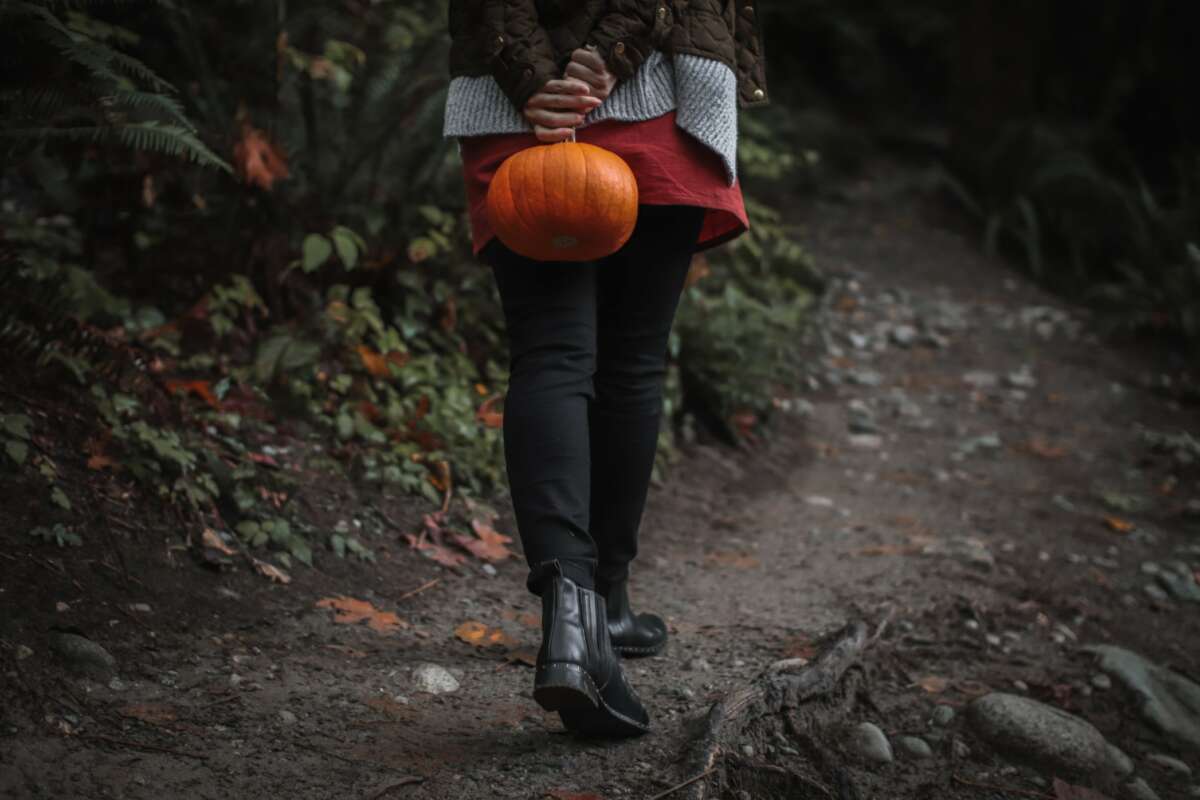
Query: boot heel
pixel 560 686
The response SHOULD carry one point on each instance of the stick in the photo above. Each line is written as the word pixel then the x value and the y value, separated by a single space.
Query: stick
pixel 95 737
pixel 418 590
pixel 405 782
pixel 992 788
pixel 688 782
pixel 356 762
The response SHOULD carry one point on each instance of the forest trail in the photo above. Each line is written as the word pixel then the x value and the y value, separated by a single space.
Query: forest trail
pixel 968 467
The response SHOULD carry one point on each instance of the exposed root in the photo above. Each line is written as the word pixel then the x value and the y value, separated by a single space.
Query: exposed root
pixel 797 696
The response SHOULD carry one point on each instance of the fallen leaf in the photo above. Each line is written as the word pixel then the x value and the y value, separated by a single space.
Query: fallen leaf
pixel 154 713
pixel 351 611
pixel 212 539
pixel 494 543
pixel 526 618
pixel 1119 525
pixel 480 635
pixel 258 161
pixel 1067 791
pixel 263 458
pixel 373 362
pixel 347 651
pixel 202 389
pixel 271 571
pixel 97 458
pixel 1040 447
pixel 566 794
pixel 799 647
pixel 933 684
pixel 487 415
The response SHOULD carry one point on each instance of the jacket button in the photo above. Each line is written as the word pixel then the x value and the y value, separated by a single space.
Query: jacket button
pixel 619 48
pixel 759 94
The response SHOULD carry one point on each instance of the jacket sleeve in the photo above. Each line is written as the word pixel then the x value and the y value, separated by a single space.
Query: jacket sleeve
pixel 624 35
pixel 519 50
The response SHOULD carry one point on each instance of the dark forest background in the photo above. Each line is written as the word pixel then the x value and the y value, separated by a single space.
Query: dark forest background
pixel 232 228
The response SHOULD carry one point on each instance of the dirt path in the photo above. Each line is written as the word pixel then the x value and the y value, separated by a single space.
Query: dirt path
pixel 957 484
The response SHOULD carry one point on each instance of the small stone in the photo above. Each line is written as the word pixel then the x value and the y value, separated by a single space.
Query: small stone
pixel 1022 378
pixel 748 750
pixel 1167 700
pixel 117 685
pixel 1181 587
pixel 1194 791
pixel 904 335
pixel 1170 764
pixel 1040 734
pixel 83 655
pixel 23 652
pixel 61 607
pixel 141 608
pixel 980 379
pixel 959 749
pixel 1021 686
pixel 489 570
pixel 1121 764
pixel 1155 593
pixel 1102 682
pixel 820 502
pixel 434 679
pixel 866 441
pixel 942 716
pixel 870 743
pixel 685 693
pixel 915 747
pixel 1140 790
pixel 287 717
pixel 1150 568
pixel 698 664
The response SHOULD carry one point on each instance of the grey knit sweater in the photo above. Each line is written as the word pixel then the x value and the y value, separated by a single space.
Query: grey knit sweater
pixel 702 92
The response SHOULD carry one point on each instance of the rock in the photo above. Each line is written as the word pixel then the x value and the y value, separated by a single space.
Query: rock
pixel 866 441
pixel 83 655
pixel 1167 700
pixel 287 717
pixel 1121 764
pixel 915 747
pixel 698 664
pixel 748 750
pixel 967 549
pixel 870 743
pixel 1039 734
pixel 1022 378
pixel 434 679
pixel 904 335
pixel 959 749
pixel 1170 764
pixel 489 570
pixel 942 716
pixel 979 379
pixel 23 652
pixel 1140 790
pixel 817 500
pixel 1194 791
pixel 1102 682
pixel 1181 587
pixel 1154 592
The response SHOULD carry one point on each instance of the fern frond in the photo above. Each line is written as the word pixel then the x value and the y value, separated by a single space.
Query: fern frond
pixel 148 136
pixel 149 101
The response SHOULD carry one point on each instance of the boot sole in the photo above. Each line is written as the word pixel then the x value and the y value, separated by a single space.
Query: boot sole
pixel 564 686
pixel 602 721
pixel 630 650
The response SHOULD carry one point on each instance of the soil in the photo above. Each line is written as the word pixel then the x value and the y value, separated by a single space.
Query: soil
pixel 978 579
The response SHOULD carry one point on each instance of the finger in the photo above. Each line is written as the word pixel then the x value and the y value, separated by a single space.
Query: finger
pixel 581 103
pixel 566 86
pixel 551 135
pixel 552 119
pixel 590 59
pixel 586 74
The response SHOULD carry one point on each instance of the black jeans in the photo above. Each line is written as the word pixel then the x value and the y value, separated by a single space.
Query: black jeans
pixel 588 347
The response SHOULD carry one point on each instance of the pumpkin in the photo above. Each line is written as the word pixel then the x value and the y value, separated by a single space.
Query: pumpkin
pixel 569 201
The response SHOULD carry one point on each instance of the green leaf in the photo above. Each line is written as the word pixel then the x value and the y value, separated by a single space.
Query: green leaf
pixel 338 543
pixel 17 425
pixel 17 451
pixel 317 250
pixel 347 246
pixel 60 499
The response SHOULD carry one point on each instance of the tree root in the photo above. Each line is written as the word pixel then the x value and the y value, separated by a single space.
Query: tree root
pixel 795 696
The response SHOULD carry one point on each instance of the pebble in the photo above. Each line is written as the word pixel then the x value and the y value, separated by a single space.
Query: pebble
pixel 821 502
pixel 1167 700
pixel 866 441
pixel 980 379
pixel 1040 734
pixel 1102 682
pixel 83 655
pixel 1122 764
pixel 1140 790
pixel 23 652
pixel 434 679
pixel 942 716
pixel 915 747
pixel 1181 587
pixel 1154 592
pixel 287 717
pixel 489 570
pixel 904 335
pixel 1170 764
pixel 698 664
pixel 959 749
pixel 1022 378
pixel 870 743
pixel 748 750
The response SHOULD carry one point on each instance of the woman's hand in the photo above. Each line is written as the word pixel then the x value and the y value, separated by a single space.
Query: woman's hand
pixel 587 65
pixel 559 108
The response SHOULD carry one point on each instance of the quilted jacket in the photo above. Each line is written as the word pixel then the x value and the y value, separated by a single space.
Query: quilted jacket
pixel 525 43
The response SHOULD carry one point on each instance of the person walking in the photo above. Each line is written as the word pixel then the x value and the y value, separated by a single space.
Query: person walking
pixel 659 83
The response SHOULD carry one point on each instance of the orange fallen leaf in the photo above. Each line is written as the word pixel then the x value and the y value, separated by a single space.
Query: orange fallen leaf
pixel 487 413
pixel 1040 447
pixel 202 389
pixel 374 362
pixel 728 558
pixel 272 572
pixel 476 633
pixel 351 611
pixel 526 618
pixel 97 458
pixel 933 684
pixel 258 161
pixel 210 538
pixel 1119 525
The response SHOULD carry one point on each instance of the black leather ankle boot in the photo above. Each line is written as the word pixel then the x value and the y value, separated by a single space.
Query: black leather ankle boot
pixel 578 673
pixel 632 634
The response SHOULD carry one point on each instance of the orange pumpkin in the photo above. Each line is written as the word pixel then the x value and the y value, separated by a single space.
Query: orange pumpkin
pixel 569 201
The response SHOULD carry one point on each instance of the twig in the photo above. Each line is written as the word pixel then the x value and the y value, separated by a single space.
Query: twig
pixel 405 782
pixel 418 590
pixel 95 737
pixel 356 762
pixel 688 782
pixel 227 698
pixel 992 788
